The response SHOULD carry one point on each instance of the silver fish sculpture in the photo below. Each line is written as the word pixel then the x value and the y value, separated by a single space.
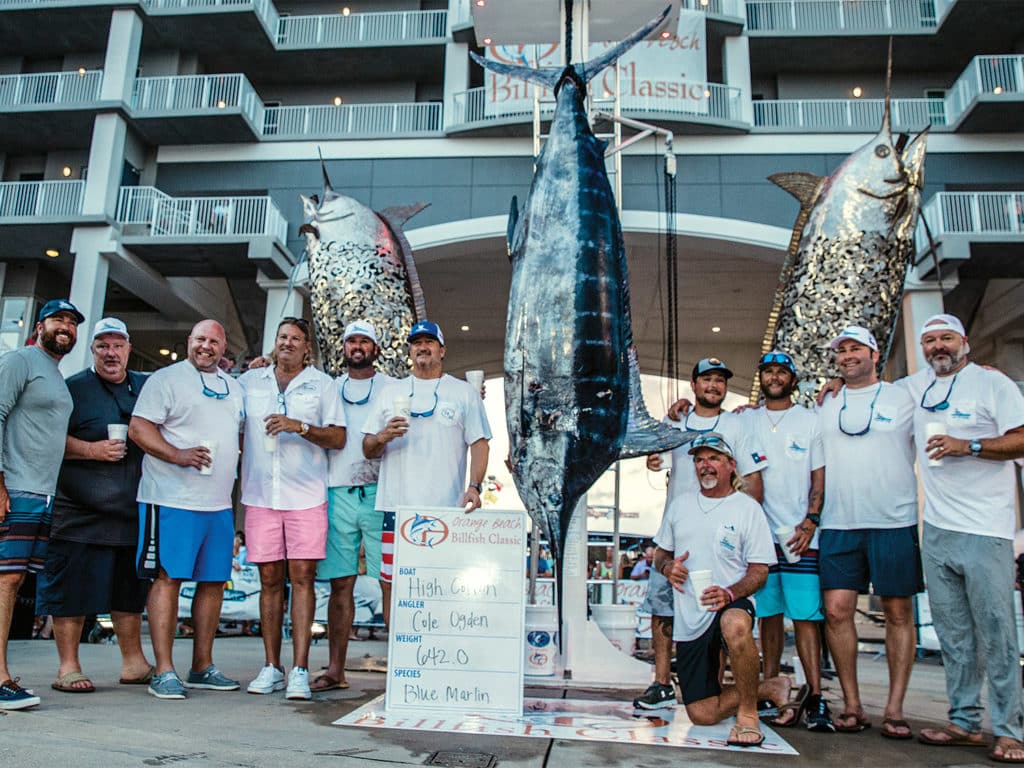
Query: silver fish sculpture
pixel 360 268
pixel 572 381
pixel 852 245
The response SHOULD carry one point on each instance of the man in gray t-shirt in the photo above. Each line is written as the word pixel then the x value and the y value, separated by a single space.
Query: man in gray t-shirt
pixel 35 406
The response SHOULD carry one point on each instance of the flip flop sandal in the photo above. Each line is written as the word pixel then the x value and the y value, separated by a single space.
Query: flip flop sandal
pixel 141 680
pixel 892 723
pixel 1013 745
pixel 860 723
pixel 741 730
pixel 65 683
pixel 956 739
pixel 325 682
pixel 797 706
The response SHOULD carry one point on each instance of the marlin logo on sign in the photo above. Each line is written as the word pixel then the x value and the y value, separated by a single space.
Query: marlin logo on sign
pixel 424 531
pixel 958 414
pixel 758 457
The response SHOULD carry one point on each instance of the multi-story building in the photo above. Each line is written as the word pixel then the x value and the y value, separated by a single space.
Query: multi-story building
pixel 152 154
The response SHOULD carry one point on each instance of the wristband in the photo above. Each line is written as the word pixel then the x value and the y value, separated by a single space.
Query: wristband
pixel 732 597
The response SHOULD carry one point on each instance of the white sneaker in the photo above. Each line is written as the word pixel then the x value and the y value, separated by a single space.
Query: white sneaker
pixel 298 684
pixel 269 679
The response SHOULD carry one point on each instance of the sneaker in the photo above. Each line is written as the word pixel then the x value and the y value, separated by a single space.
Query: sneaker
pixel 819 718
pixel 166 685
pixel 13 696
pixel 269 679
pixel 211 679
pixel 298 684
pixel 657 696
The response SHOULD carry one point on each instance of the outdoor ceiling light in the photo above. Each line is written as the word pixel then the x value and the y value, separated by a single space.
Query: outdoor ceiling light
pixel 53 253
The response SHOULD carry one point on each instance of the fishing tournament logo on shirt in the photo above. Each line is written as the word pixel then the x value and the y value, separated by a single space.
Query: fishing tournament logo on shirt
pixel 424 531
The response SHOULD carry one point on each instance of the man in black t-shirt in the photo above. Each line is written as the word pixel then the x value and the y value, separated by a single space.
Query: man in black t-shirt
pixel 90 565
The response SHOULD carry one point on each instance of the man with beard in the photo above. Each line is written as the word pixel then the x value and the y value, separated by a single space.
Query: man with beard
pixel 90 566
pixel 35 406
pixel 721 536
pixel 423 454
pixel 187 421
pixel 794 485
pixel 710 384
pixel 971 421
pixel 351 499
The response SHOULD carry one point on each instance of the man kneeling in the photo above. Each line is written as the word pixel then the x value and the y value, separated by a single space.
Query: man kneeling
pixel 725 549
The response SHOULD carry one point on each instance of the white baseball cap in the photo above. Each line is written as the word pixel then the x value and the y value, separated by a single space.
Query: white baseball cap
pixel 361 328
pixel 110 325
pixel 857 333
pixel 943 322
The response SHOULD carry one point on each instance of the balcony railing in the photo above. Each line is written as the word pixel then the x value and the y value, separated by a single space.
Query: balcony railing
pixel 50 88
pixel 32 200
pixel 972 213
pixel 995 75
pixel 264 9
pixel 817 17
pixel 717 7
pixel 196 94
pixel 851 114
pixel 177 217
pixel 352 120
pixel 335 29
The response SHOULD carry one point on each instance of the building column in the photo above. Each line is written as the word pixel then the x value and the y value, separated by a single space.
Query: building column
pixel 124 40
pixel 456 80
pixel 736 71
pixel 88 293
pixel 281 302
pixel 920 302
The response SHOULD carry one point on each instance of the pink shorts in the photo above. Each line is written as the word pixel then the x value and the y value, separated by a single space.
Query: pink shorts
pixel 285 534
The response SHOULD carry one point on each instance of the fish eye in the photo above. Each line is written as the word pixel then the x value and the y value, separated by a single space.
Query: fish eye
pixel 882 151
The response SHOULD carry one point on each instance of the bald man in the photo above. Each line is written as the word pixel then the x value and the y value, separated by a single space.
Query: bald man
pixel 187 421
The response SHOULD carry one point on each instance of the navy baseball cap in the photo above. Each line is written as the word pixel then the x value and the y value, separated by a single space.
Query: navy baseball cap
pixel 708 365
pixel 777 358
pixel 55 306
pixel 427 328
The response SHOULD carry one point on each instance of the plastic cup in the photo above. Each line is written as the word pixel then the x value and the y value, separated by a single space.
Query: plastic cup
pixel 117 432
pixel 666 460
pixel 475 379
pixel 402 406
pixel 931 429
pixel 212 448
pixel 269 442
pixel 784 533
pixel 700 580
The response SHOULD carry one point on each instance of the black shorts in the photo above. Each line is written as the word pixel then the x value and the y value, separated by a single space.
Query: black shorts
pixel 697 660
pixel 87 579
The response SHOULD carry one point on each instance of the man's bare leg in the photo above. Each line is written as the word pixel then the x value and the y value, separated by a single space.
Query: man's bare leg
pixel 385 589
pixel 302 574
pixel 128 630
pixel 661 644
pixel 808 648
pixel 840 606
pixel 900 646
pixel 162 612
pixel 773 639
pixel 205 617
pixel 67 633
pixel 272 609
pixel 341 612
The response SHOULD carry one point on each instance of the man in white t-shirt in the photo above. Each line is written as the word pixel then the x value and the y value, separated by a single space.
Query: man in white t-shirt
pixel 968 427
pixel 794 486
pixel 710 384
pixel 187 420
pixel 721 535
pixel 868 531
pixel 423 451
pixel 351 498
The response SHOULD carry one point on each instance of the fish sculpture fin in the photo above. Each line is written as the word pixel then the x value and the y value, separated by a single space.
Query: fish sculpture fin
pixel 644 434
pixel 393 219
pixel 513 219
pixel 804 186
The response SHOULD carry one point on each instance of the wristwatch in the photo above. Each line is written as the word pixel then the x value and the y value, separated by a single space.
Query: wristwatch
pixel 304 429
pixel 479 487
pixel 814 517
pixel 975 447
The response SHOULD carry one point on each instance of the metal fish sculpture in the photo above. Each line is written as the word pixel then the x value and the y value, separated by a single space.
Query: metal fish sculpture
pixel 572 381
pixel 360 268
pixel 852 245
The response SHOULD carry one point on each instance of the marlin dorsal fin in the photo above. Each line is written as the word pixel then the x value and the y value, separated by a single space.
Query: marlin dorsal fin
pixel 644 434
pixel 402 213
pixel 804 186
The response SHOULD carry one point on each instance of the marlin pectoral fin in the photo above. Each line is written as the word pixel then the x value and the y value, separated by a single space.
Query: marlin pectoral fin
pixel 513 219
pixel 399 214
pixel 804 186
pixel 644 434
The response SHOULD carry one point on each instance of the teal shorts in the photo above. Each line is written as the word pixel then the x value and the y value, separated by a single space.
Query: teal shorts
pixel 792 589
pixel 351 521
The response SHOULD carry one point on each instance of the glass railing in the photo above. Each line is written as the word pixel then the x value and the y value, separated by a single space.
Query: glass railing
pixel 163 216
pixel 41 199
pixel 50 88
pixel 850 114
pixel 352 120
pixel 819 17
pixel 335 29
pixel 196 94
pixel 993 75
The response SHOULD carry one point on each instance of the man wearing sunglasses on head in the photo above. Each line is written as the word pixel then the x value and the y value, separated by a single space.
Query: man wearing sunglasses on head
pixel 187 421
pixel 968 427
pixel 869 523
pixel 423 454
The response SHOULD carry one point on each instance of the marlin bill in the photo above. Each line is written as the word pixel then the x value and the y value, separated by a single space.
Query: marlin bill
pixel 851 248
pixel 360 268
pixel 572 386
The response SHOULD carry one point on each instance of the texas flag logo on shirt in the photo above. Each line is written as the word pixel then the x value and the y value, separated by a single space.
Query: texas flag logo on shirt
pixel 758 457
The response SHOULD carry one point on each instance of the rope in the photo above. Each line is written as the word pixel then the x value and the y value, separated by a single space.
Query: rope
pixel 568 31
pixel 672 268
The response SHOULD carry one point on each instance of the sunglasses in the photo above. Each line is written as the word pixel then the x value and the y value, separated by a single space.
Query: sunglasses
pixel 779 358
pixel 944 403
pixel 212 392
pixel 709 441
pixel 296 321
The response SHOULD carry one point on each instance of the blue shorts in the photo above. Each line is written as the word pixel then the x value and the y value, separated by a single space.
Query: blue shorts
pixel 658 600
pixel 792 589
pixel 352 520
pixel 190 545
pixel 887 558
pixel 25 532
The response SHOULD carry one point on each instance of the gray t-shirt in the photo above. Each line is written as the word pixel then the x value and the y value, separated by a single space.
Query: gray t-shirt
pixel 35 406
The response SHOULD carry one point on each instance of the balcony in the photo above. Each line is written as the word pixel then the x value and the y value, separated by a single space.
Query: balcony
pixel 989 95
pixel 839 115
pixel 40 201
pixel 843 17
pixel 352 120
pixel 362 29
pixel 49 89
pixel 55 109
pixel 197 109
pixel 222 236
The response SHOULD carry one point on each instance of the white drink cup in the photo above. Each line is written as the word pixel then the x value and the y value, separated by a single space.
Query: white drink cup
pixel 666 460
pixel 700 580
pixel 402 406
pixel 211 447
pixel 475 379
pixel 931 429
pixel 117 432
pixel 784 533
pixel 269 442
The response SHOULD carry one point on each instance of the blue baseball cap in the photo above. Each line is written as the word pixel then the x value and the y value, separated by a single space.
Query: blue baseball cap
pixel 777 358
pixel 708 365
pixel 56 306
pixel 426 328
